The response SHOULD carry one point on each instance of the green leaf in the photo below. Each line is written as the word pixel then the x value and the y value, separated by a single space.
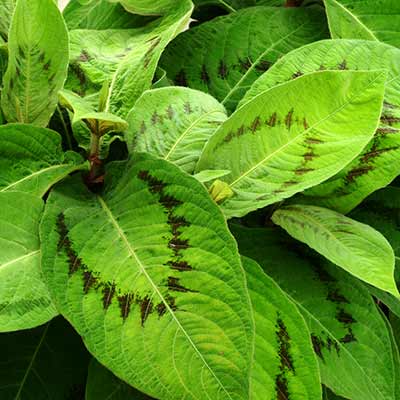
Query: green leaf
pixel 25 300
pixel 128 58
pixel 99 123
pixel 225 56
pixel 174 123
pixel 287 139
pixel 38 61
pixel 103 385
pixel 147 7
pixel 369 171
pixel 210 175
pixel 356 247
pixel 229 5
pixel 149 275
pixel 6 12
pixel 32 159
pixel 45 363
pixel 284 366
pixel 366 19
pixel 348 333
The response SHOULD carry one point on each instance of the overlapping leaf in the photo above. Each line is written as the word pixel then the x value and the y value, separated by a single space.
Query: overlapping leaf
pixel 356 247
pixel 126 57
pixel 284 365
pixel 6 12
pixel 49 362
pixel 32 159
pixel 103 385
pixel 150 277
pixel 378 164
pixel 224 56
pixel 38 62
pixel 348 333
pixel 364 19
pixel 174 124
pixel 294 136
pixel 25 300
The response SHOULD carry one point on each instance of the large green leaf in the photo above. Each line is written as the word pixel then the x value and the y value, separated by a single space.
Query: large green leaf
pixel 128 58
pixel 356 247
pixel 32 159
pixel 49 362
pixel 149 275
pixel 25 300
pixel 38 61
pixel 378 164
pixel 224 56
pixel 284 365
pixel 174 123
pixel 348 334
pixel 364 19
pixel 103 385
pixel 288 139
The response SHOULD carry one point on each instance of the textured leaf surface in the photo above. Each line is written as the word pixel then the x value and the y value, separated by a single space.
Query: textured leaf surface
pixel 284 365
pixel 348 334
pixel 126 57
pixel 32 159
pixel 224 56
pixel 103 385
pixel 174 124
pixel 25 300
pixel 149 275
pixel 38 61
pixel 49 362
pixel 364 19
pixel 378 164
pixel 356 247
pixel 294 136
pixel 6 11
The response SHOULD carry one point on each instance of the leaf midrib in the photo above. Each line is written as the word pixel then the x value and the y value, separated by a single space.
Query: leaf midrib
pixel 15 260
pixel 122 235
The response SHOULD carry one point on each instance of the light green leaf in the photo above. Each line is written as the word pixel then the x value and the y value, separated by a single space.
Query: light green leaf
pixel 32 159
pixel 284 365
pixel 210 175
pixel 287 139
pixel 149 275
pixel 103 385
pixel 99 123
pixel 364 19
pixel 229 5
pixel 6 12
pixel 38 62
pixel 174 123
pixel 45 363
pixel 128 58
pixel 147 7
pixel 225 56
pixel 370 170
pixel 25 300
pixel 348 334
pixel 356 247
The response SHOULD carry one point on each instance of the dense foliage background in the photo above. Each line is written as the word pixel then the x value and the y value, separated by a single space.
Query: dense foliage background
pixel 199 200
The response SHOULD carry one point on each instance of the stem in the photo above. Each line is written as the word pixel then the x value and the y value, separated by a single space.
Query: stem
pixel 227 6
pixel 95 162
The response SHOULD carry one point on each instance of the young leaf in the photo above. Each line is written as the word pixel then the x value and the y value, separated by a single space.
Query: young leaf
pixel 367 19
pixel 369 170
pixel 103 385
pixel 25 300
pixel 287 139
pixel 348 334
pixel 284 365
pixel 224 56
pixel 99 123
pixel 149 275
pixel 174 123
pixel 356 247
pixel 49 362
pixel 32 159
pixel 128 58
pixel 38 61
